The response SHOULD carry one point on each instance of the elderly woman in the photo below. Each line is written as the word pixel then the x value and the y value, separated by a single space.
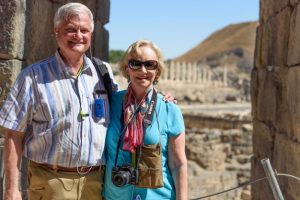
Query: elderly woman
pixel 145 141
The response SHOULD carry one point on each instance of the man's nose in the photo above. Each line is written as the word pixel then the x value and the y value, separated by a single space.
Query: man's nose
pixel 77 34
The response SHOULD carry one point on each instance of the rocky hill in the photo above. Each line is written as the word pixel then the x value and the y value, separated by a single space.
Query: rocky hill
pixel 236 39
pixel 233 47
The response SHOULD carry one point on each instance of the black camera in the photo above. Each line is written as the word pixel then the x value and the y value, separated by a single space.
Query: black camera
pixel 125 174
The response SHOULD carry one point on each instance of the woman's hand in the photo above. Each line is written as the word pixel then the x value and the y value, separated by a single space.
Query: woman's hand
pixel 178 165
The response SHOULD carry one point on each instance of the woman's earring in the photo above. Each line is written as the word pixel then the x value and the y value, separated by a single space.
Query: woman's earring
pixel 155 82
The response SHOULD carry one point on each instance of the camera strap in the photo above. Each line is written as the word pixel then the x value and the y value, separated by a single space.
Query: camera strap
pixel 146 122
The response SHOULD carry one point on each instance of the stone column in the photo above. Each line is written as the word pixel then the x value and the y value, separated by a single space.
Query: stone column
pixel 172 73
pixel 182 71
pixel 101 36
pixel 199 73
pixel 189 72
pixel 275 97
pixel 194 72
pixel 204 75
pixel 225 76
pixel 174 70
pixel 177 69
pixel 209 81
pixel 166 71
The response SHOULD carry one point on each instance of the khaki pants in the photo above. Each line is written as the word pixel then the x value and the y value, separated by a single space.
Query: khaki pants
pixel 44 183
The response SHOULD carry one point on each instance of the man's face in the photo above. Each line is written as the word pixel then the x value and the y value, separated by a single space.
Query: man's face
pixel 74 35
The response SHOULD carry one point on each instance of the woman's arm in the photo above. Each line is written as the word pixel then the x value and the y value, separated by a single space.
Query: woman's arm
pixel 178 165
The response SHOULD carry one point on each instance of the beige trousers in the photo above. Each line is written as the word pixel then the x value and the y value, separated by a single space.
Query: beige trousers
pixel 48 184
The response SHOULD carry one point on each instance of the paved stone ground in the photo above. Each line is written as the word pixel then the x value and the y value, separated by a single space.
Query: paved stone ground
pixel 234 108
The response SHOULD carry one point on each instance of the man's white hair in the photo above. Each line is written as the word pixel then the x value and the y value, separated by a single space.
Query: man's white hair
pixel 70 9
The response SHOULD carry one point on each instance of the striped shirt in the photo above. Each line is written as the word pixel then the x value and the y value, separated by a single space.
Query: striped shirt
pixel 46 103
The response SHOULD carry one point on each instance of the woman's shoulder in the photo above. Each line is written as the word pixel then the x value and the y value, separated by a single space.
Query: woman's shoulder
pixel 118 95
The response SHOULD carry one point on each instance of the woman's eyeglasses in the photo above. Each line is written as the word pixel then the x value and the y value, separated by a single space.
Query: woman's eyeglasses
pixel 148 64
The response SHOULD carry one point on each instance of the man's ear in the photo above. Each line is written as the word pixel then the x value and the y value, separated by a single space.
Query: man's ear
pixel 55 30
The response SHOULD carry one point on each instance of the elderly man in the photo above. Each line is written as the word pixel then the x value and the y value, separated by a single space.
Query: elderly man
pixel 52 117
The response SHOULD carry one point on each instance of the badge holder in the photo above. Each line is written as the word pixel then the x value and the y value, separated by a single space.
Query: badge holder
pixel 99 106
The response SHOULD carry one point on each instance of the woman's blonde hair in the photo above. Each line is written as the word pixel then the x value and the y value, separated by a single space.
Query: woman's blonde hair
pixel 134 52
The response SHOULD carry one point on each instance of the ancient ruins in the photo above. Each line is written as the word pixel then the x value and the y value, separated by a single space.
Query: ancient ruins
pixel 193 74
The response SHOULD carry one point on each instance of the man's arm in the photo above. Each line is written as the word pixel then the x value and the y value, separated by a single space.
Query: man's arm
pixel 13 148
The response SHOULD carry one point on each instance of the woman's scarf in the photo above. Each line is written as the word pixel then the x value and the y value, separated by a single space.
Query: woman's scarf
pixel 133 136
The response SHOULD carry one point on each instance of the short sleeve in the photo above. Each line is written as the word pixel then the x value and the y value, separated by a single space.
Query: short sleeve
pixel 16 112
pixel 175 122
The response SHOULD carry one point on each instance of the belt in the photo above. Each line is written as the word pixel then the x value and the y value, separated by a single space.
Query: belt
pixel 81 169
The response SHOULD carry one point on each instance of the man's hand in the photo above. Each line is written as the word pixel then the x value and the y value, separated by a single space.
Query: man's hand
pixel 168 97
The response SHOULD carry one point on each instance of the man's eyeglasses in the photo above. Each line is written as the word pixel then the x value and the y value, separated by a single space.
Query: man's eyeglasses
pixel 148 64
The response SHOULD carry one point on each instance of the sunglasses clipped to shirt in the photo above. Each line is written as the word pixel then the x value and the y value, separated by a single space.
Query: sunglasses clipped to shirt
pixel 137 64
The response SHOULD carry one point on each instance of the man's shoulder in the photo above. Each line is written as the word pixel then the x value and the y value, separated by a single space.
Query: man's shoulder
pixel 41 63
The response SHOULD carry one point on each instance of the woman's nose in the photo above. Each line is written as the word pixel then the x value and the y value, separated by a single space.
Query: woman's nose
pixel 143 69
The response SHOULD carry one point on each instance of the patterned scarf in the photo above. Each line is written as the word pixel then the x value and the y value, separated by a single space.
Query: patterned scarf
pixel 133 136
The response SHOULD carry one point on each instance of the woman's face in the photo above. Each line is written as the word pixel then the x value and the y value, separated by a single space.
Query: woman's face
pixel 141 79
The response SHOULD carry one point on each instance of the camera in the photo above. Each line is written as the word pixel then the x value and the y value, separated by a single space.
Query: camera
pixel 125 174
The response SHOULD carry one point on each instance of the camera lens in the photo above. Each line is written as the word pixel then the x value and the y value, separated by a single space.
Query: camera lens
pixel 122 178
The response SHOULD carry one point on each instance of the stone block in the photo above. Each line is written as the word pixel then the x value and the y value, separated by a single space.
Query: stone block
pixel 100 45
pixel 258 48
pixel 274 39
pixel 12 29
pixel 293 102
pixel 209 182
pixel 286 160
pixel 269 8
pixel 266 96
pixel 103 11
pixel 9 70
pixel 254 91
pixel 92 5
pixel 294 2
pixel 263 140
pixel 283 118
pixel 269 96
pixel 294 39
pixel 40 42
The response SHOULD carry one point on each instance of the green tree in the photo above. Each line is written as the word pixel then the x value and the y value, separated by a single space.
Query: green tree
pixel 115 55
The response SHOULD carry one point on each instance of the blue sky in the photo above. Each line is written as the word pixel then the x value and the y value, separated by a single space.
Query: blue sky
pixel 175 26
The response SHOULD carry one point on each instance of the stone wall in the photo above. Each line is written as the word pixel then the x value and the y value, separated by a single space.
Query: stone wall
pixel 276 96
pixel 219 155
pixel 27 36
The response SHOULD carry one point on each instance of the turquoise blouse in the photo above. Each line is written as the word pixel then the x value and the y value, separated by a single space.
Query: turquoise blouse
pixel 171 124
